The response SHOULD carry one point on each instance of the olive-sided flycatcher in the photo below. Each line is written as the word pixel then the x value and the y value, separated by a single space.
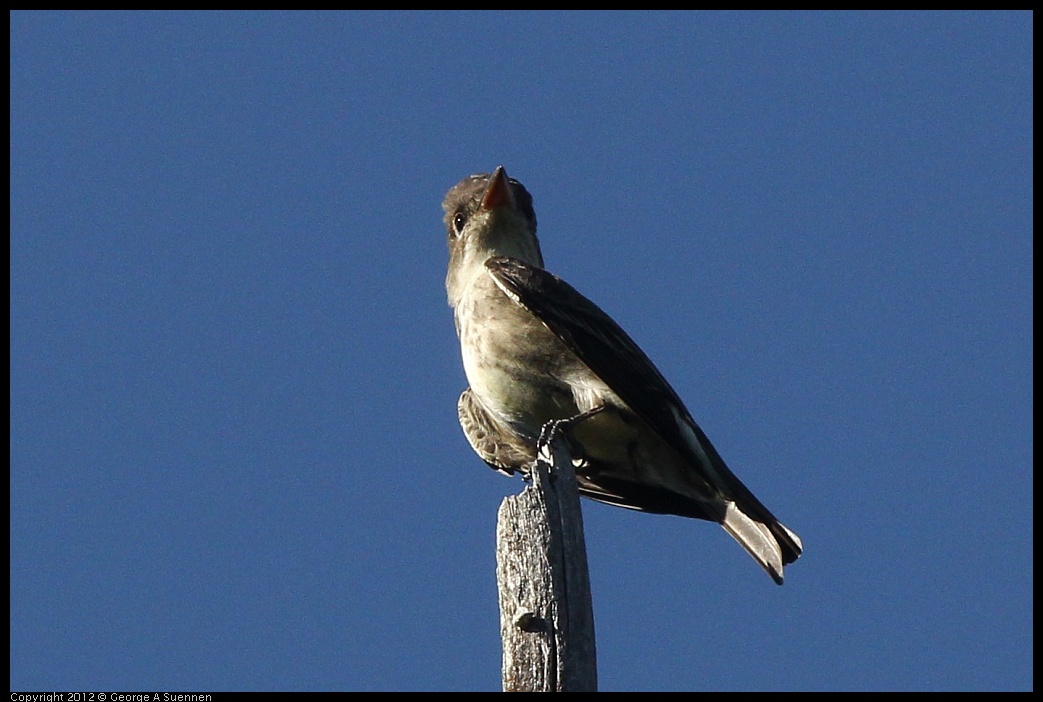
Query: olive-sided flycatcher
pixel 534 349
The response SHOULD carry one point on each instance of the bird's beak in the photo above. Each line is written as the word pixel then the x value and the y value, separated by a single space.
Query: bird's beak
pixel 498 192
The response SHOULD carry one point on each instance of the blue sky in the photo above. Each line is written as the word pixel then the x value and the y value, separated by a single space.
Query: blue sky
pixel 235 459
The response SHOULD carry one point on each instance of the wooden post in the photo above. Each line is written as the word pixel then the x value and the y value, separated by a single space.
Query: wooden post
pixel 546 616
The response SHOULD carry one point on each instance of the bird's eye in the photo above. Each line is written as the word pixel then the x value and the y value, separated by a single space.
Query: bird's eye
pixel 459 220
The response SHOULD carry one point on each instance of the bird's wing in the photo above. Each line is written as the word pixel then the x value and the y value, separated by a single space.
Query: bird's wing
pixel 599 342
pixel 620 363
pixel 494 442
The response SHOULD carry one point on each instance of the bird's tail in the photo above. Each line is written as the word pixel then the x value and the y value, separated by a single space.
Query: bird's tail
pixel 769 542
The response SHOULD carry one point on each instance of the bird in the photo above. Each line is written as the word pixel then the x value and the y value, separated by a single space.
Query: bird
pixel 535 350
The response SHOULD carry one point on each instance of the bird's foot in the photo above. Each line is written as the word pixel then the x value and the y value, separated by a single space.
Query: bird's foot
pixel 563 428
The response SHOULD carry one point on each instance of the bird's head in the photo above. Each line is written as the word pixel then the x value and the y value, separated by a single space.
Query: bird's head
pixel 486 215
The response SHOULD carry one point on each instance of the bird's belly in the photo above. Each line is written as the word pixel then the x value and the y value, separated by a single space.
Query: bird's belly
pixel 516 366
